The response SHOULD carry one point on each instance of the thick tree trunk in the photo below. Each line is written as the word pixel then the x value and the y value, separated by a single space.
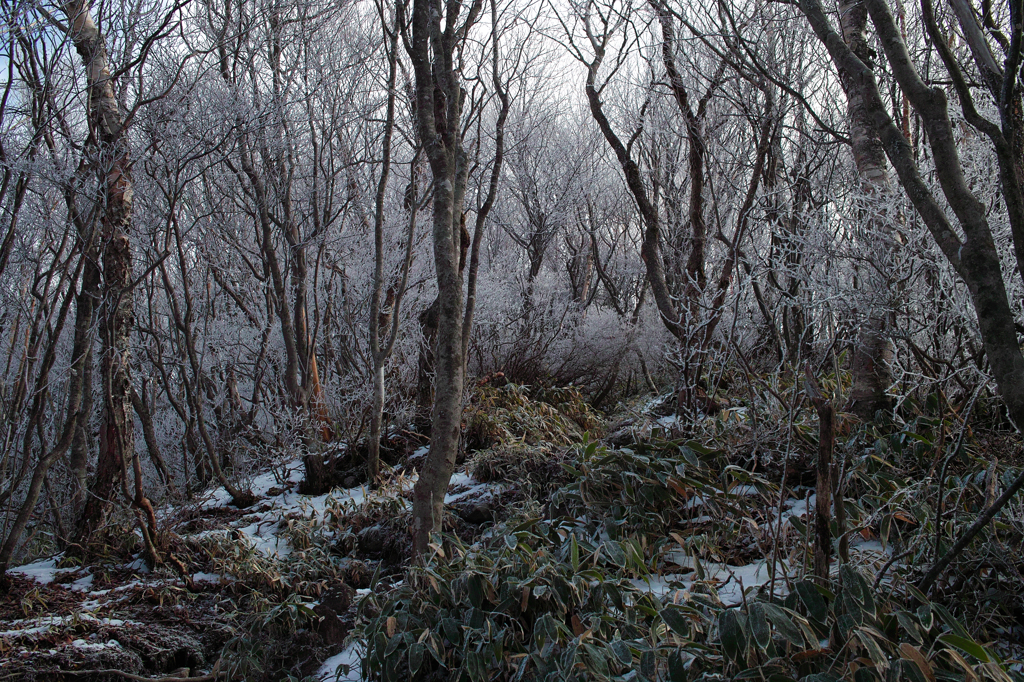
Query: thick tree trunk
pixel 429 320
pixel 439 105
pixel 872 350
pixel 85 315
pixel 116 313
pixel 449 370
pixel 974 258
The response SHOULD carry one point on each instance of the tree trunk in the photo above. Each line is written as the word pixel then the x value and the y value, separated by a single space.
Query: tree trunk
pixel 974 258
pixel 872 350
pixel 149 434
pixel 439 105
pixel 376 424
pixel 85 315
pixel 428 320
pixel 116 314
pixel 823 489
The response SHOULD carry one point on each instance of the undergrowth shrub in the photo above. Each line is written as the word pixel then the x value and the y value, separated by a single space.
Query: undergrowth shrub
pixel 511 413
pixel 535 470
pixel 546 601
pixel 917 487
pixel 656 487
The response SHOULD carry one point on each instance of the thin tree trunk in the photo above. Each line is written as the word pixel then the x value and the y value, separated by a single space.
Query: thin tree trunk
pixel 149 433
pixel 823 489
pixel 379 355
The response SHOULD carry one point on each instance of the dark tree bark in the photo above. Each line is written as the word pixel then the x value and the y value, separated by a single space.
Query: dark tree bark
pixel 823 487
pixel 439 105
pixel 116 312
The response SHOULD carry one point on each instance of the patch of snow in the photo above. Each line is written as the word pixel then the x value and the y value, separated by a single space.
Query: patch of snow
pixel 82 584
pixel 93 646
pixel 266 541
pixel 461 478
pixel 798 509
pixel 43 571
pixel 343 667
pixel 670 422
pixel 481 490
pixel 695 501
pixel 209 577
pixel 37 626
pixel 25 632
pixel 730 581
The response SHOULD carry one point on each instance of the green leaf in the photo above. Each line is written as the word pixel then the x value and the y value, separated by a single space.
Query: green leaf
pixel 476 666
pixel 474 584
pixel 648 664
pixel 875 652
pixel 676 620
pixel 864 674
pixel 731 631
pixel 622 652
pixel 511 541
pixel 813 601
pixel 574 553
pixel 452 630
pixel 952 622
pixel 759 625
pixel 596 660
pixel 615 553
pixel 615 595
pixel 925 615
pixel 569 655
pixel 784 624
pixel 416 653
pixel 677 668
pixel 909 625
pixel 968 646
pixel 852 586
pixel 572 470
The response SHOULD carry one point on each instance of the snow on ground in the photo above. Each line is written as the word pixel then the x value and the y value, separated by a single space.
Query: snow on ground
pixel 343 667
pixel 280 501
pixel 730 581
pixel 463 485
pixel 43 571
pixel 28 627
pixel 288 475
pixel 798 508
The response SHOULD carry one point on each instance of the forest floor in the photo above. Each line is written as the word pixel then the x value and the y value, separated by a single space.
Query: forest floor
pixel 293 586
